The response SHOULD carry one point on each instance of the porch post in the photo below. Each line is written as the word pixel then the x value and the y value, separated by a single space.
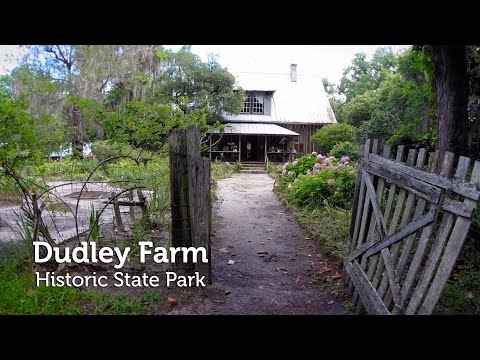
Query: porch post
pixel 210 148
pixel 240 148
pixel 265 158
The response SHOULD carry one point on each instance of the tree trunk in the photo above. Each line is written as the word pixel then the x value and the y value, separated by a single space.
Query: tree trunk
pixel 77 136
pixel 452 91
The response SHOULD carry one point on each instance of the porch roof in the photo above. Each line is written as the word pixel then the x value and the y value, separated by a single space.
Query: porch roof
pixel 257 129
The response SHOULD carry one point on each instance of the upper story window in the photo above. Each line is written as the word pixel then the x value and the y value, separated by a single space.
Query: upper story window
pixel 253 103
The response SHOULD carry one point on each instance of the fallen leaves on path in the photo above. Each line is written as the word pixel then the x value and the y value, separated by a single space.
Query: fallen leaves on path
pixel 172 301
pixel 218 301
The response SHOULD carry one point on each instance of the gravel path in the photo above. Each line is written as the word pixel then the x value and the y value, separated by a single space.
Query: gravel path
pixel 263 263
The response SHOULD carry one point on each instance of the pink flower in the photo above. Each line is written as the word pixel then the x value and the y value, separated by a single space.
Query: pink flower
pixel 317 166
pixel 345 159
pixel 330 182
pixel 320 158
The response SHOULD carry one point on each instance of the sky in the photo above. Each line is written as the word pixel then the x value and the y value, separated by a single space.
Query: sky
pixel 316 60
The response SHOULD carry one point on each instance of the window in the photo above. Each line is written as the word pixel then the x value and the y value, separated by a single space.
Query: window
pixel 246 104
pixel 253 103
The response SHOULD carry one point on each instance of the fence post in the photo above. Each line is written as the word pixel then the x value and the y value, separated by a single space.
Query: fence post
pixel 190 199
pixel 118 216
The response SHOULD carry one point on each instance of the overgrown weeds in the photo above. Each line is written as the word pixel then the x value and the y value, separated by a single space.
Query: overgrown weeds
pixel 20 295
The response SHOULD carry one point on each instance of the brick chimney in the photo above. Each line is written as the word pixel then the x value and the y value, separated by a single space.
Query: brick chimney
pixel 293 72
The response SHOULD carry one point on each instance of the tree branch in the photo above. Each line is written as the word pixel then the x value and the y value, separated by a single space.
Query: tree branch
pixel 50 50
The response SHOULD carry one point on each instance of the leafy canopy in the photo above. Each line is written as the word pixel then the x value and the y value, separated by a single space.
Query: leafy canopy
pixel 329 135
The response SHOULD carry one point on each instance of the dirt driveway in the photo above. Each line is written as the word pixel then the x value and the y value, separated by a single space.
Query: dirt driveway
pixel 263 263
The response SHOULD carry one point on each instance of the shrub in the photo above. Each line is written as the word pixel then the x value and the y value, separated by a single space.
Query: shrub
pixel 301 165
pixel 329 135
pixel 67 169
pixel 105 149
pixel 329 181
pixel 345 148
pixel 410 138
pixel 330 187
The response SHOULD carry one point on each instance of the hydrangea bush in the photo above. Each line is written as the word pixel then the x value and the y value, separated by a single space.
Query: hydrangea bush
pixel 315 180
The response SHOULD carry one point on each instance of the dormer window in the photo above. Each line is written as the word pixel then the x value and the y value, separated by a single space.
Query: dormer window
pixel 253 103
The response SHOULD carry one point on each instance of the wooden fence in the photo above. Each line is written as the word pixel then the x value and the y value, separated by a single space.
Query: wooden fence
pixel 408 226
pixel 190 198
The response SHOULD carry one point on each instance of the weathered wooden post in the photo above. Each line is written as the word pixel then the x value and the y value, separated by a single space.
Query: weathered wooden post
pixel 118 216
pixel 190 199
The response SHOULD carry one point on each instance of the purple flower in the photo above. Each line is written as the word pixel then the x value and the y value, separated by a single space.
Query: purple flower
pixel 340 166
pixel 329 167
pixel 317 166
pixel 316 171
pixel 330 182
pixel 345 159
pixel 330 159
pixel 320 158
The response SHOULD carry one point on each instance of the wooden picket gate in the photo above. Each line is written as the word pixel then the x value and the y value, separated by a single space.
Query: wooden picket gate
pixel 408 226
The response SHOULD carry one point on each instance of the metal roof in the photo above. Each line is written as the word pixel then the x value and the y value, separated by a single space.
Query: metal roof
pixel 301 102
pixel 257 129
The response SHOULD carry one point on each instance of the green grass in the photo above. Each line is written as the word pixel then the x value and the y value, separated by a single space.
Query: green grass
pixel 271 168
pixel 461 295
pixel 19 295
pixel 223 170
pixel 328 227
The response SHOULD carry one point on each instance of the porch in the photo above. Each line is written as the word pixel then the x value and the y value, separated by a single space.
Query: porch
pixel 253 143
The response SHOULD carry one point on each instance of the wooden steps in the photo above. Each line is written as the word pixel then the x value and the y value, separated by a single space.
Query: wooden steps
pixel 253 168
